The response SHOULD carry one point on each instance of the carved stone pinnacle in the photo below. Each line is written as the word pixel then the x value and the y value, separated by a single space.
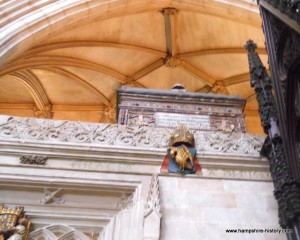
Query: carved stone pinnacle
pixel 251 46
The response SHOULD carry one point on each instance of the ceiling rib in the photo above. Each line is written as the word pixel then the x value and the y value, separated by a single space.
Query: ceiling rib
pixel 7 105
pixel 60 61
pixel 146 70
pixel 71 75
pixel 32 84
pixel 198 72
pixel 169 58
pixel 239 50
pixel 251 96
pixel 219 9
pixel 170 30
pixel 236 79
pixel 205 89
pixel 73 44
pixel 96 108
pixel 23 8
pixel 138 84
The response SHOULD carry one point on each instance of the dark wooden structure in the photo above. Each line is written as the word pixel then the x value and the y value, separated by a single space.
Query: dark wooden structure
pixel 280 107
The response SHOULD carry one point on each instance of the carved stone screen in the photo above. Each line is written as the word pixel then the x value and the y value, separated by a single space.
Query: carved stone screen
pixel 199 111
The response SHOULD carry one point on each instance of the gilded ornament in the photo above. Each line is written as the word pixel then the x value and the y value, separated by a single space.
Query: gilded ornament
pixel 182 135
pixel 182 156
pixel 13 223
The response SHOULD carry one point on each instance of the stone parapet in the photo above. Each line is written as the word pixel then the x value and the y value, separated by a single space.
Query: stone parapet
pixel 28 130
pixel 135 150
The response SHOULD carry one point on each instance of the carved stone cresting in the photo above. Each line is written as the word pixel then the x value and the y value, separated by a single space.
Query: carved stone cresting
pixel 33 159
pixel 228 143
pixel 52 196
pixel 152 215
pixel 52 131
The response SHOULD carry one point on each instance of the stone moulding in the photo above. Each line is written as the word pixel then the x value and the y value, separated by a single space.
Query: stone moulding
pixel 28 130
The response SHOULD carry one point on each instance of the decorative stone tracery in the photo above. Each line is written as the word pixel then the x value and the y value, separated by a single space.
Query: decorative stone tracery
pixel 57 232
pixel 49 131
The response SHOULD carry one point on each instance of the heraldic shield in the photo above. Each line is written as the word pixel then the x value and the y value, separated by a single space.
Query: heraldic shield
pixel 181 156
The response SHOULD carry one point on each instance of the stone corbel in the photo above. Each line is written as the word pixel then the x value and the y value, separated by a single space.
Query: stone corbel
pixel 110 114
pixel 44 112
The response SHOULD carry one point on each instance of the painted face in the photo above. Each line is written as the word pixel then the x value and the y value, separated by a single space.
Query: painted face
pixel 23 221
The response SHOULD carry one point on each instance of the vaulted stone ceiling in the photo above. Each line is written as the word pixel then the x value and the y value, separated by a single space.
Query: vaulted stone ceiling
pixel 65 59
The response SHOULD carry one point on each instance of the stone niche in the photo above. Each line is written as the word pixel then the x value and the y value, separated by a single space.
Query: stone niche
pixel 169 108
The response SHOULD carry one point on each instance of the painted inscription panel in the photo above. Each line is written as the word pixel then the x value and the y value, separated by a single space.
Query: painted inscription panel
pixel 191 121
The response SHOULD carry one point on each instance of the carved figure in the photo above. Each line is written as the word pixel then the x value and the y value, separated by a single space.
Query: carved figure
pixel 13 224
pixel 181 157
pixel 20 230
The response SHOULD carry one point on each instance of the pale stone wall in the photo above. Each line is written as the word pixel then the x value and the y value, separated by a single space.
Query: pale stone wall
pixel 201 209
pixel 93 171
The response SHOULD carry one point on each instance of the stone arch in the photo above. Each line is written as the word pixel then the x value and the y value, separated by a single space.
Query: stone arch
pixel 37 21
pixel 57 232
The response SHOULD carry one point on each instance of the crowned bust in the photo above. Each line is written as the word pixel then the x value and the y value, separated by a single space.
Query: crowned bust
pixel 13 223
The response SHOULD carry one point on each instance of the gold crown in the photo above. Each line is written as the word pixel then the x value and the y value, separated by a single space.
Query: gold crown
pixel 9 217
pixel 182 135
pixel 19 211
